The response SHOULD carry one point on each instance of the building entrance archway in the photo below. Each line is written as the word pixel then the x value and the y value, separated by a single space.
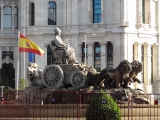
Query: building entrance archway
pixel 8 75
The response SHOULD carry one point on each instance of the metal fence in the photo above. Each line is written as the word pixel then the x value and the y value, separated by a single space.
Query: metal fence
pixel 72 105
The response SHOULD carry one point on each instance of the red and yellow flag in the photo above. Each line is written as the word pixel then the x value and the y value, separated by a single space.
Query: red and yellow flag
pixel 26 45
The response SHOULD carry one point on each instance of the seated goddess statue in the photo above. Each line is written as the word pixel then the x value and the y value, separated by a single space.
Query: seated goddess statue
pixel 63 52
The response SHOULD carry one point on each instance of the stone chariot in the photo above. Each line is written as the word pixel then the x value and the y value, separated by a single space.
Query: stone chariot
pixel 77 75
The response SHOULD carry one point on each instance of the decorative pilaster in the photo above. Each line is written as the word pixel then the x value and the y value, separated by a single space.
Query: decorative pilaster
pixel 102 11
pixel 154 61
pixel 150 15
pixel 135 52
pixel 80 52
pixel 124 46
pixel 90 54
pixel 139 76
pixel 139 14
pixel 89 11
pixel 145 66
pixel 103 55
pixel 124 21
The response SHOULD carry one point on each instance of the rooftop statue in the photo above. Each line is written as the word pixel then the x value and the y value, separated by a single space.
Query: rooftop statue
pixel 63 52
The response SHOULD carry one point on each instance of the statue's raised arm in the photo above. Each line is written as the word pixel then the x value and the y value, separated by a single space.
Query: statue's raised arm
pixel 63 52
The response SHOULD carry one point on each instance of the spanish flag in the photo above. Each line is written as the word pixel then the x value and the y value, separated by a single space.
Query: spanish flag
pixel 26 45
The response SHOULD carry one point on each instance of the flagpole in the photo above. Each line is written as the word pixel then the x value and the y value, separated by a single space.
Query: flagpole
pixel 24 67
pixel 17 82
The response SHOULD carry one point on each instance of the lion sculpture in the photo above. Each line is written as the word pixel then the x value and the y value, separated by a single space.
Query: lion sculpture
pixel 136 68
pixel 119 74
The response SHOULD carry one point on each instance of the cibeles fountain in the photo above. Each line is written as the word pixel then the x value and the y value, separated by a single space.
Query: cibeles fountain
pixel 68 74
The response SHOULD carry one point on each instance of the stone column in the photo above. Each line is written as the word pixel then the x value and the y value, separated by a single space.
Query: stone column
pixel 75 14
pixel 68 15
pixel 89 10
pixel 155 67
pixel 135 52
pixel 64 14
pixel 80 53
pixel 90 54
pixel 150 14
pixel 145 64
pixel 149 70
pixel 23 14
pixel 75 44
pixel 123 46
pixel 135 57
pixel 139 52
pixel 103 55
pixel 124 21
pixel 139 14
pixel 44 60
pixel 13 8
pixel 154 61
pixel 16 66
pixel 102 11
pixel 2 16
pixel 158 76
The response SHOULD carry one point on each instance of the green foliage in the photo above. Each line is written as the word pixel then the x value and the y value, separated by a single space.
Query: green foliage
pixel 22 84
pixel 103 107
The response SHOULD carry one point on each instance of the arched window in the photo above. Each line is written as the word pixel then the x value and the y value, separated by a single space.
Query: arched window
pixel 97 56
pixel 84 52
pixel 50 56
pixel 96 11
pixel 31 14
pixel 7 17
pixel 51 13
pixel 16 17
pixel 109 55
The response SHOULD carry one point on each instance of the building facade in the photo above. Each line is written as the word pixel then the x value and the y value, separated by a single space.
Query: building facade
pixel 114 30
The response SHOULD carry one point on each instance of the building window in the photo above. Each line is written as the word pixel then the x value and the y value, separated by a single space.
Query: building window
pixel 50 56
pixel 16 17
pixel 31 14
pixel 142 61
pixel 51 13
pixel 7 53
pixel 96 11
pixel 97 56
pixel 145 11
pixel 84 52
pixel 7 17
pixel 31 57
pixel 109 55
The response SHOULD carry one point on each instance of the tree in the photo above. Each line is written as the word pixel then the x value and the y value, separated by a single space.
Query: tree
pixel 103 107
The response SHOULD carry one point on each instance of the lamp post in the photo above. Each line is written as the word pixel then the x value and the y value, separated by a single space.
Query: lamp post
pixel 85 50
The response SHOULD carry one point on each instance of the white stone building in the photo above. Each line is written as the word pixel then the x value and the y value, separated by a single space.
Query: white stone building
pixel 123 30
